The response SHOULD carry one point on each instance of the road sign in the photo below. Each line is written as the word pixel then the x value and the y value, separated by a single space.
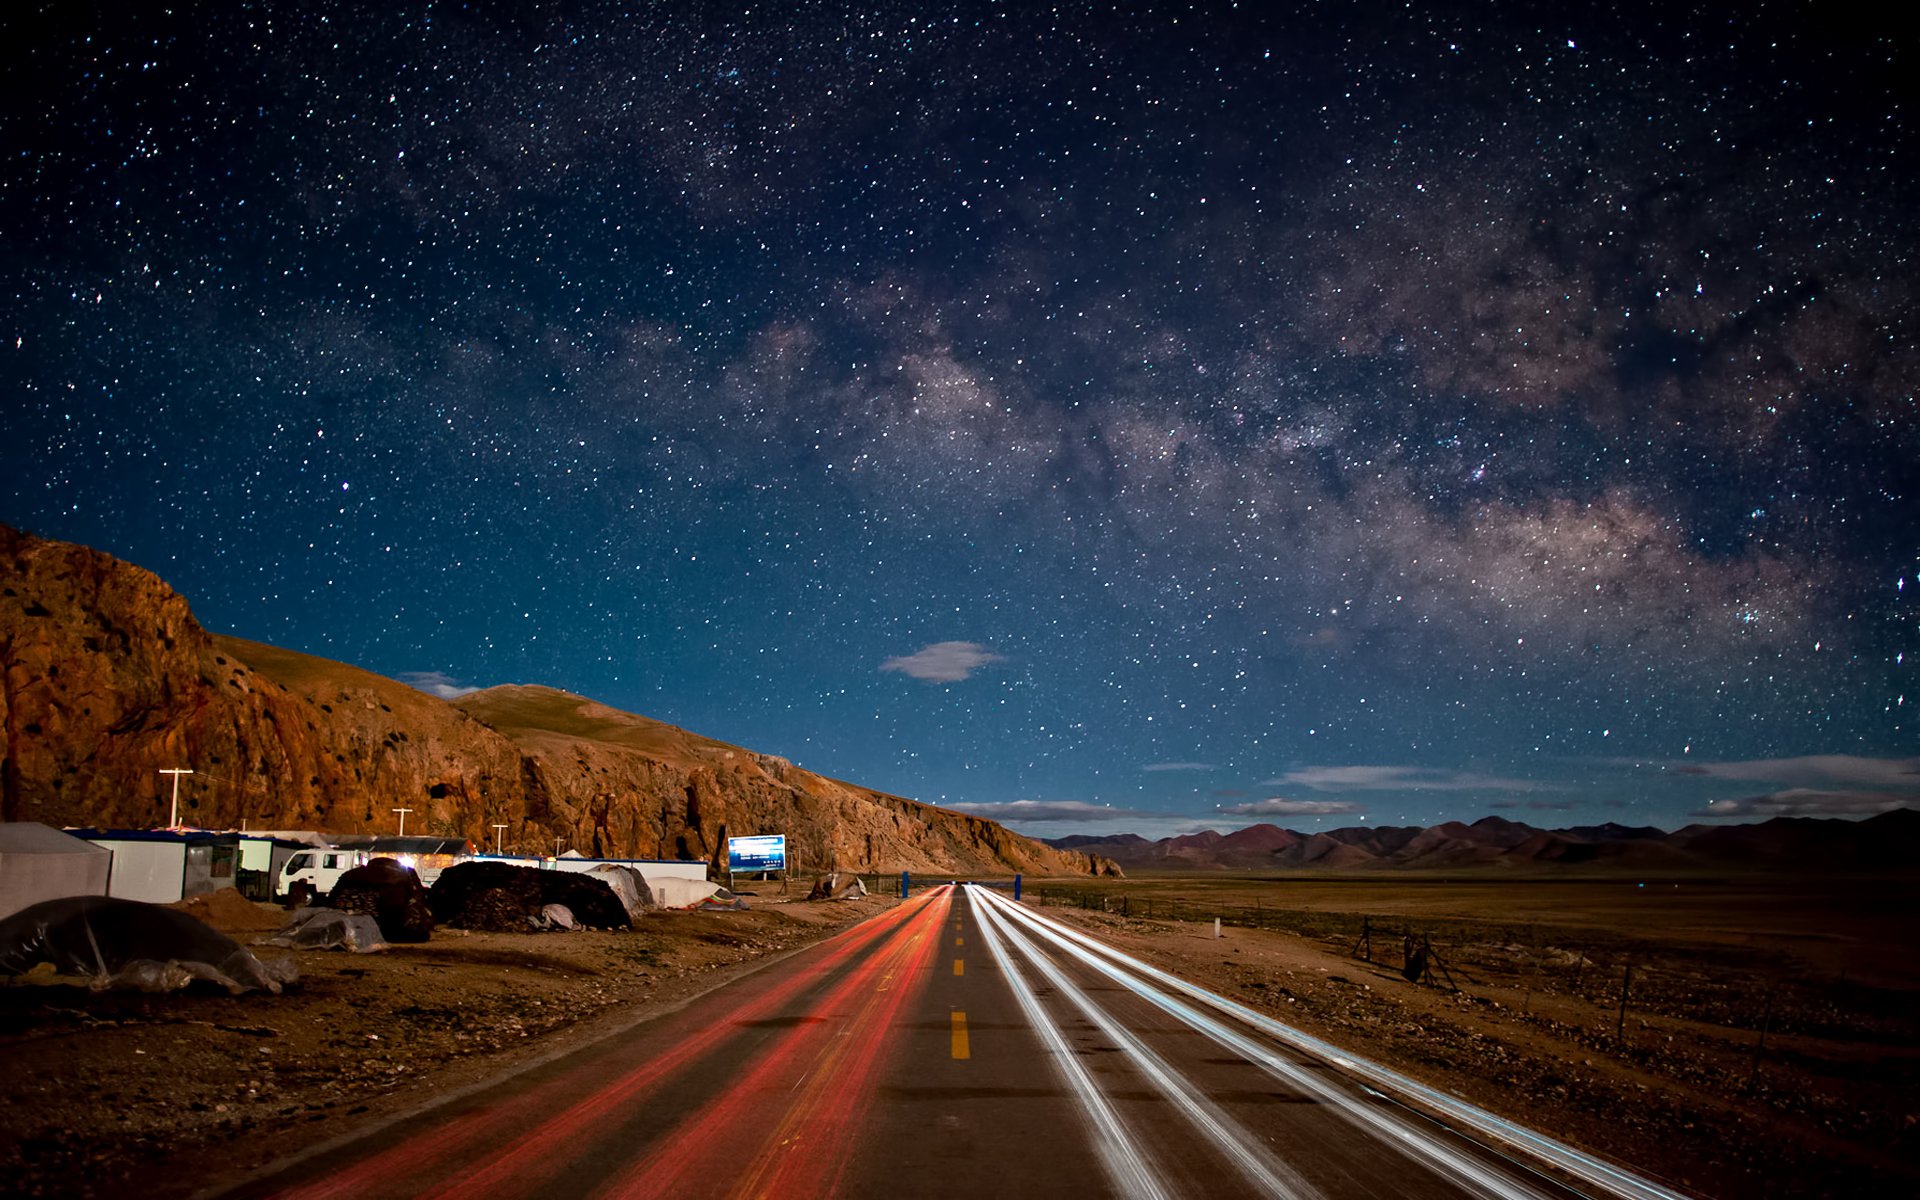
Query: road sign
pixel 763 852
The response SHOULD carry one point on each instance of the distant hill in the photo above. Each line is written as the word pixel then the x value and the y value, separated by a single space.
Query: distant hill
pixel 108 679
pixel 1890 841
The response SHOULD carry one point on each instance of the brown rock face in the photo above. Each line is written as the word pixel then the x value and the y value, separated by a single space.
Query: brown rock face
pixel 106 679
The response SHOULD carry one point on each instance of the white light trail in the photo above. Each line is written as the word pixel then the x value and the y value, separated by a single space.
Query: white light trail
pixel 1613 1180
pixel 1266 1172
pixel 1131 1175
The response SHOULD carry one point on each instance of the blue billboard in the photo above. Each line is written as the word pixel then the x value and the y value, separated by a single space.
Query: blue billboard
pixel 763 852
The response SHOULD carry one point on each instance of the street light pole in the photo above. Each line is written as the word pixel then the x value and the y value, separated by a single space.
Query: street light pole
pixel 496 839
pixel 173 818
pixel 403 819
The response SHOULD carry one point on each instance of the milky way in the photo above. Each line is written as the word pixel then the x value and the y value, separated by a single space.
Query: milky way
pixel 1099 418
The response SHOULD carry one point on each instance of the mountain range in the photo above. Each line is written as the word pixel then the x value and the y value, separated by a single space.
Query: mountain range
pixel 1888 842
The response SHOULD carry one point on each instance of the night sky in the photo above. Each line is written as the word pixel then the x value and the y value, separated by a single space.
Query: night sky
pixel 1098 418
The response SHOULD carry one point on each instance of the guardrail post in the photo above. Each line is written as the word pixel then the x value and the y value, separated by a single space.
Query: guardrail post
pixel 1016 888
pixel 903 885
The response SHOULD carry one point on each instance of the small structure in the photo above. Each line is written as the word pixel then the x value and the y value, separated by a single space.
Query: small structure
pixel 38 862
pixel 161 866
pixel 668 880
pixel 262 857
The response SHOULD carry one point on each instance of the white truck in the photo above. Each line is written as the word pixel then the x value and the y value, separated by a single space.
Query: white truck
pixel 321 868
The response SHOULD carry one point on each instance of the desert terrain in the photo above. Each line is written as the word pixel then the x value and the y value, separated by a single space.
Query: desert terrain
pixel 1767 1043
pixel 1522 1015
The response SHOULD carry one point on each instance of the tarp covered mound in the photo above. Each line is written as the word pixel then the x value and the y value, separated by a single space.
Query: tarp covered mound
pixel 505 898
pixel 131 944
pixel 628 884
pixel 328 928
pixel 391 893
pixel 837 885
pixel 673 891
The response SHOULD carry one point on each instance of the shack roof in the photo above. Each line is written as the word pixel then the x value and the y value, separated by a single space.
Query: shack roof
pixel 31 837
pixel 189 836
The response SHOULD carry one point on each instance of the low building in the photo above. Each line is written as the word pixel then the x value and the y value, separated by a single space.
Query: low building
pixel 38 862
pixel 162 866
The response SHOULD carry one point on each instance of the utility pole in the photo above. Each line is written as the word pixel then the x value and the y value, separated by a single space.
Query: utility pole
pixel 403 819
pixel 173 818
pixel 496 838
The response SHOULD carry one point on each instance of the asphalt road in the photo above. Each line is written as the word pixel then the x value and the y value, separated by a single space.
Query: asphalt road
pixel 959 1045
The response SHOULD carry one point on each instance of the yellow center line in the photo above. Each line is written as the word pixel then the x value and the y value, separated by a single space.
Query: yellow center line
pixel 960 1035
pixel 959 941
pixel 959 966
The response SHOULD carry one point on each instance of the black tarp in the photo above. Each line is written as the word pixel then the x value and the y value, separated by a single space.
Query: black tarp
pixel 499 896
pixel 131 944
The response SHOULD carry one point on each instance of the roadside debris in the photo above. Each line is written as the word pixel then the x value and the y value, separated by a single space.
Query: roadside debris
pixel 837 885
pixel 327 929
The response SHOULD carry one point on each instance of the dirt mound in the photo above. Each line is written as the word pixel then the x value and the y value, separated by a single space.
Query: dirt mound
pixel 502 897
pixel 230 912
pixel 389 893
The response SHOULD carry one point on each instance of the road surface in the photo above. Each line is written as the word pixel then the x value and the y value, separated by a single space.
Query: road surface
pixel 958 1045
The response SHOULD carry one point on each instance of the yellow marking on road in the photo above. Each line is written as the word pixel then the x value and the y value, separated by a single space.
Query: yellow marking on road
pixel 960 1036
pixel 959 941
pixel 959 966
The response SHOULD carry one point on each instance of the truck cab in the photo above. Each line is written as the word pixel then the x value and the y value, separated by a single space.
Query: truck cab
pixel 319 868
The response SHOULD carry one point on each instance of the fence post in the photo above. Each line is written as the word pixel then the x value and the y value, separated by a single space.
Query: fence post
pixel 1016 888
pixel 1766 1019
pixel 903 885
pixel 1620 1023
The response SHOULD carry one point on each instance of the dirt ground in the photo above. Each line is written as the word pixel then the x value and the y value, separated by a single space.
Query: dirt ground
pixel 1768 1046
pixel 184 1090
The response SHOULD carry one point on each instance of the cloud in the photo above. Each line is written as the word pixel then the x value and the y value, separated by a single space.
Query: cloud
pixel 1178 766
pixel 1814 769
pixel 1413 779
pixel 1278 807
pixel 943 662
pixel 1810 802
pixel 436 683
pixel 1022 811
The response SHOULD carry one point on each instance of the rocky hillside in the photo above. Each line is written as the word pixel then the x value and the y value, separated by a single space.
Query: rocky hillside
pixel 106 678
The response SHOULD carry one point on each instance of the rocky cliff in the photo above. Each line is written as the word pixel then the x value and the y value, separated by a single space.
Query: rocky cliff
pixel 106 679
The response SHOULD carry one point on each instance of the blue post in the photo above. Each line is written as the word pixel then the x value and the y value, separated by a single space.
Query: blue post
pixel 903 885
pixel 1016 889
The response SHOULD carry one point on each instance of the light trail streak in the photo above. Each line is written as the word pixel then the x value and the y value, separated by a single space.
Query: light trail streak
pixel 1614 1180
pixel 805 1146
pixel 813 1126
pixel 1129 1173
pixel 1422 1148
pixel 507 1149
pixel 1258 1165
